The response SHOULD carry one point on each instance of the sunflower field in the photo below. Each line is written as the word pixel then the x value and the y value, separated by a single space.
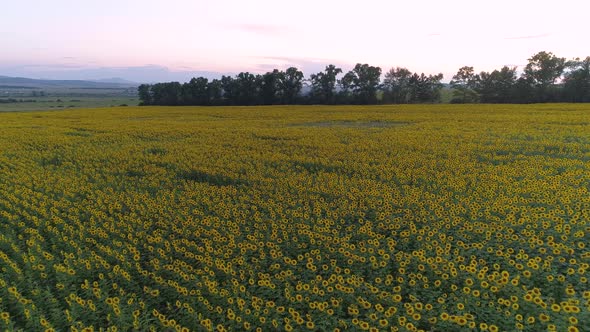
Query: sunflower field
pixel 321 218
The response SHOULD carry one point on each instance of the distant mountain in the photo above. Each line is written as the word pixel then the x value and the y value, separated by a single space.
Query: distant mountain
pixel 123 75
pixel 116 80
pixel 22 82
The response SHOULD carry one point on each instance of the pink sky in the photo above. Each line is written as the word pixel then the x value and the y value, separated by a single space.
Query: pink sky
pixel 230 36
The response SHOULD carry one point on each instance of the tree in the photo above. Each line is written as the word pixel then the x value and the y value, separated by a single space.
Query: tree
pixel 364 81
pixel 271 90
pixel 540 82
pixel 248 87
pixel 291 84
pixel 497 86
pixel 166 93
pixel 346 84
pixel 396 85
pixel 195 92
pixel 215 92
pixel 463 84
pixel 425 88
pixel 577 81
pixel 323 85
pixel 523 91
pixel 230 90
pixel 543 69
pixel 144 94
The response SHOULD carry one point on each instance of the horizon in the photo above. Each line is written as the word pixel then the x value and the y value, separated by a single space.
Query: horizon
pixel 108 39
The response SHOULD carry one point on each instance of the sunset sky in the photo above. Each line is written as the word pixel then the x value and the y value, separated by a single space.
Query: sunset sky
pixel 40 38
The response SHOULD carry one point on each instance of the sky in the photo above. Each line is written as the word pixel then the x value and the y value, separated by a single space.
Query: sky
pixel 154 40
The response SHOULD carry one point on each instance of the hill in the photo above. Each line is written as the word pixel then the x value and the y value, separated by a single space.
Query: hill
pixel 30 83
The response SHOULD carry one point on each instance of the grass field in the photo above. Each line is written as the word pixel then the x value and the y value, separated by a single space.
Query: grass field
pixel 418 217
pixel 65 102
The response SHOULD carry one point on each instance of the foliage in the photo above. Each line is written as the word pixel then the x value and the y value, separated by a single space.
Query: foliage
pixel 577 81
pixel 545 79
pixel 396 86
pixel 497 86
pixel 543 69
pixel 144 94
pixel 464 83
pixel 291 84
pixel 323 85
pixel 414 217
pixel 425 89
pixel 362 82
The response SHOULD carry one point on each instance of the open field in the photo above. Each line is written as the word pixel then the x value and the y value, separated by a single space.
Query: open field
pixel 24 94
pixel 64 102
pixel 418 217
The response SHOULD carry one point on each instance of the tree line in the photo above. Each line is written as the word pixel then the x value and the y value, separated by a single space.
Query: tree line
pixel 546 78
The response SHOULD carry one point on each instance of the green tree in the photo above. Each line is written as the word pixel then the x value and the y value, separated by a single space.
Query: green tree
pixel 396 85
pixel 167 93
pixel 144 93
pixel 523 91
pixel 346 92
pixel 543 69
pixel 323 85
pixel 291 84
pixel 271 90
pixel 230 90
pixel 364 81
pixel 248 88
pixel 577 81
pixel 497 86
pixel 215 92
pixel 425 89
pixel 463 84
pixel 195 92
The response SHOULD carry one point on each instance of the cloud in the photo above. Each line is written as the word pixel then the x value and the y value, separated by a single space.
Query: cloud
pixel 529 37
